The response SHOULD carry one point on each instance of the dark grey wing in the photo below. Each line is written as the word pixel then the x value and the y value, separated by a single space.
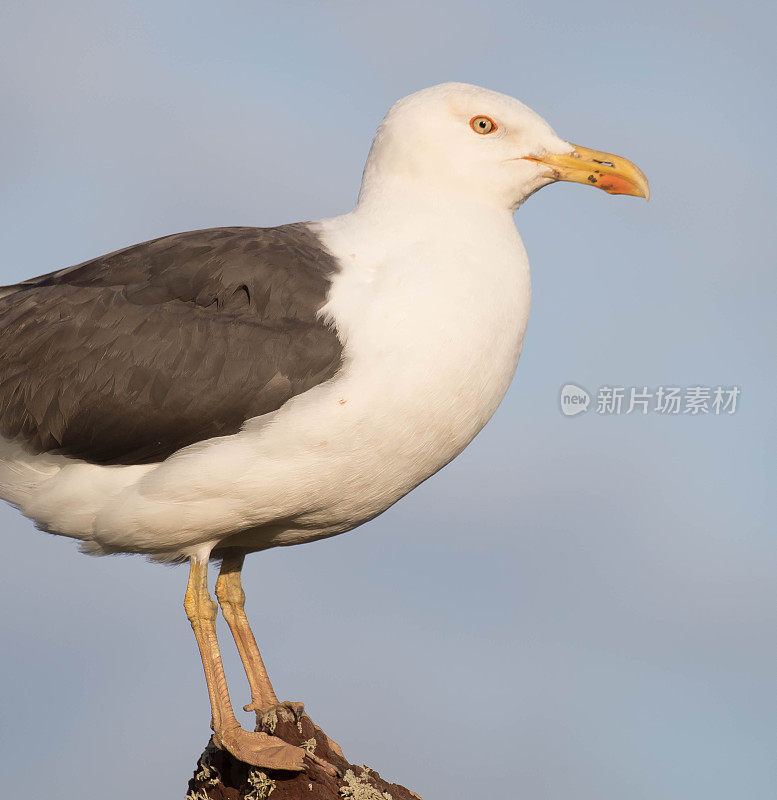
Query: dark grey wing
pixel 129 357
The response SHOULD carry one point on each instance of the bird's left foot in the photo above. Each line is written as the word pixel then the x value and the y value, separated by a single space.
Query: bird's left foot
pixel 285 716
pixel 268 717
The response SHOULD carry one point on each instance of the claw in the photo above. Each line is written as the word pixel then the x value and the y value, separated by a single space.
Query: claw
pixel 330 769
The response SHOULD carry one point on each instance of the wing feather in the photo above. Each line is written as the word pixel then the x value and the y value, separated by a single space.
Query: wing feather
pixel 129 357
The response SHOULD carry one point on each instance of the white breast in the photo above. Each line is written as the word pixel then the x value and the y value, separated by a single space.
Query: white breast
pixel 433 330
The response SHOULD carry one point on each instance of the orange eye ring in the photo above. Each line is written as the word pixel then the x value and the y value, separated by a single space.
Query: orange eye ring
pixel 482 124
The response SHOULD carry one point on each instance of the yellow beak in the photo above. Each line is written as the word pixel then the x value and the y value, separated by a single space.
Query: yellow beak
pixel 614 174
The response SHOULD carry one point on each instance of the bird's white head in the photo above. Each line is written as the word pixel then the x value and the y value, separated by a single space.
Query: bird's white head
pixel 460 139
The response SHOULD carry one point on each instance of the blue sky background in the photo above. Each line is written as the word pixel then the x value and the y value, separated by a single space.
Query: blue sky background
pixel 576 607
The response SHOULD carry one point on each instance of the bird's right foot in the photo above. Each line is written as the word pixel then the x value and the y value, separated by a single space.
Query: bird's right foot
pixel 261 749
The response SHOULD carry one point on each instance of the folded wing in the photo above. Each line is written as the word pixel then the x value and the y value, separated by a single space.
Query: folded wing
pixel 129 357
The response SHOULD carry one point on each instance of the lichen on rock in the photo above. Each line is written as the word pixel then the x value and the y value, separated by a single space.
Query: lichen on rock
pixel 262 785
pixel 358 787
pixel 206 771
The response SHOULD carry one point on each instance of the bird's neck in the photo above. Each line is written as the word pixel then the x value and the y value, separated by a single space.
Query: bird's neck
pixel 399 226
pixel 401 203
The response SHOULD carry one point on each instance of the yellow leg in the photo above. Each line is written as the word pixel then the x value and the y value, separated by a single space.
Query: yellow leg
pixel 232 598
pixel 257 749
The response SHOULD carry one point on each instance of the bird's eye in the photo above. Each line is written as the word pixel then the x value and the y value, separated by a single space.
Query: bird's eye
pixel 482 125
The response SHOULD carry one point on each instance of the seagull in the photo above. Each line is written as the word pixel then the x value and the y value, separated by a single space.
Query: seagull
pixel 214 393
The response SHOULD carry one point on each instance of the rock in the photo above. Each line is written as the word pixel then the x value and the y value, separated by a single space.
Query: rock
pixel 220 776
